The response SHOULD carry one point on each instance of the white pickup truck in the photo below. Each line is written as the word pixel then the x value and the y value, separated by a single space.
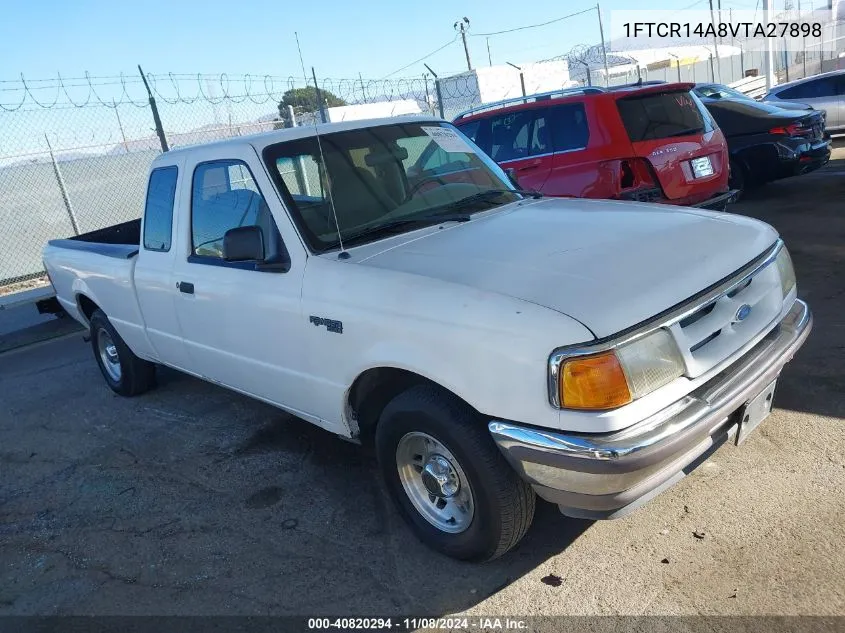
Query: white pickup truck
pixel 385 281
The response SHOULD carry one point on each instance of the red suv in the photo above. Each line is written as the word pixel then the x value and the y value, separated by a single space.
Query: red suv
pixel 651 143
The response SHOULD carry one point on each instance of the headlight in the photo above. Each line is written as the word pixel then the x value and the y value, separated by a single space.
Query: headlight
pixel 615 378
pixel 787 272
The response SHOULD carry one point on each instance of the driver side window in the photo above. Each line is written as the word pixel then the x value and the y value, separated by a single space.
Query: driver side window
pixel 225 196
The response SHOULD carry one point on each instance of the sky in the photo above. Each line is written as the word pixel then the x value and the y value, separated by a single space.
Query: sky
pixel 340 39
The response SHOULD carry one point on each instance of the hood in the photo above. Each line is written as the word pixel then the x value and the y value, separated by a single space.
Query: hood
pixel 608 264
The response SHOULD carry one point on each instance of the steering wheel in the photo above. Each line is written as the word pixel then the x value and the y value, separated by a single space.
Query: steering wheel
pixel 413 190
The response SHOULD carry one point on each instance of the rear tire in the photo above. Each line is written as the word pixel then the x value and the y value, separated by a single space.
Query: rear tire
pixel 429 440
pixel 124 372
pixel 738 178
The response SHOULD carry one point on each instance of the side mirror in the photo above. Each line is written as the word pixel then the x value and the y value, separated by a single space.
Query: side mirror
pixel 244 244
pixel 510 172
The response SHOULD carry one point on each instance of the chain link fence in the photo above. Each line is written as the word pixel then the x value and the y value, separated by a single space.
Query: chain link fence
pixel 74 152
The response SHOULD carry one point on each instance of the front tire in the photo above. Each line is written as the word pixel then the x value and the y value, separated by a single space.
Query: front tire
pixel 448 479
pixel 125 373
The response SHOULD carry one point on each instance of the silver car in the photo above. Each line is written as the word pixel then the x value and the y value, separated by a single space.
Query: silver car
pixel 823 92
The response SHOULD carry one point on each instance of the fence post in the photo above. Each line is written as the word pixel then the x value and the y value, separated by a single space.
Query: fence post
pixel 156 118
pixel 437 90
pixel 62 188
pixel 319 96
pixel 120 125
pixel 428 103
pixel 363 90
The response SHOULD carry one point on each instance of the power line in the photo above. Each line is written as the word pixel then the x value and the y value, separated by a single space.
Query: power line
pixel 452 41
pixel 533 26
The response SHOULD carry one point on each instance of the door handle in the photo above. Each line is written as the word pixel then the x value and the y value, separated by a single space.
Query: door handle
pixel 531 166
pixel 184 286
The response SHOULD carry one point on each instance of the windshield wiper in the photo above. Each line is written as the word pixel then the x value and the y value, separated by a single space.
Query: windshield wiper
pixel 483 196
pixel 690 130
pixel 395 226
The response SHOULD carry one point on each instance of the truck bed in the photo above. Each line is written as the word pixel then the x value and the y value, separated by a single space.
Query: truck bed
pixel 120 240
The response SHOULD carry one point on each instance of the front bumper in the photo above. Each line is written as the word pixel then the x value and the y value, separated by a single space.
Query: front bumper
pixel 604 476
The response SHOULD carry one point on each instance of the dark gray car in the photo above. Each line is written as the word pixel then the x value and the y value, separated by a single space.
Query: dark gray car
pixel 823 92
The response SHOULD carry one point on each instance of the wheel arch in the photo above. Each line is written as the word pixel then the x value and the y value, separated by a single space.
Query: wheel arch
pixel 373 388
pixel 87 306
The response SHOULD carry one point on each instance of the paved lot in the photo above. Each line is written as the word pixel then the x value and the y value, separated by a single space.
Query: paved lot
pixel 191 499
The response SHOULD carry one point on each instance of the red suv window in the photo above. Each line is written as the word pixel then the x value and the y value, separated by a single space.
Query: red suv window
pixel 663 115
pixel 569 124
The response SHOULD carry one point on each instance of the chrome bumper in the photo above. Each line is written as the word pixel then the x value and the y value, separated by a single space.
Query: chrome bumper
pixel 603 476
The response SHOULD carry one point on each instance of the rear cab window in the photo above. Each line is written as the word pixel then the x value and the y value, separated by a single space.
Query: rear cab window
pixel 158 211
pixel 653 116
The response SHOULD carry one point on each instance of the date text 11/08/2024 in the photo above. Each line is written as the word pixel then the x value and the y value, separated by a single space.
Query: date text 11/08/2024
pixel 413 624
pixel 723 29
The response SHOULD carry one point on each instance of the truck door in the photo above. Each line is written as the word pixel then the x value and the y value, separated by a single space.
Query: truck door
pixel 154 285
pixel 241 321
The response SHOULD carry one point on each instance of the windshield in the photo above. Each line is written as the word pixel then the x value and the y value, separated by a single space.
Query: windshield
pixel 390 177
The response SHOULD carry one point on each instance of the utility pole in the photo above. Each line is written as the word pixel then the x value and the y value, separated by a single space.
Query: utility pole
pixel 719 11
pixel 715 45
pixel 603 48
pixel 804 40
pixel 462 26
pixel 769 59
pixel 489 57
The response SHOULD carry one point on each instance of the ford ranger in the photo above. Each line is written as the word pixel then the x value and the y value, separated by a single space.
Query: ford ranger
pixel 385 281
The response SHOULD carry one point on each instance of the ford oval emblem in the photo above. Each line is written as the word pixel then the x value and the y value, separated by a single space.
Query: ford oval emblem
pixel 743 312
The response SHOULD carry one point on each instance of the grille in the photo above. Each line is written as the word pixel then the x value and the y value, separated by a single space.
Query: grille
pixel 718 329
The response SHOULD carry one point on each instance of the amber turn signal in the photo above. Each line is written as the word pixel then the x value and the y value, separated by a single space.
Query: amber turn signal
pixel 594 382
